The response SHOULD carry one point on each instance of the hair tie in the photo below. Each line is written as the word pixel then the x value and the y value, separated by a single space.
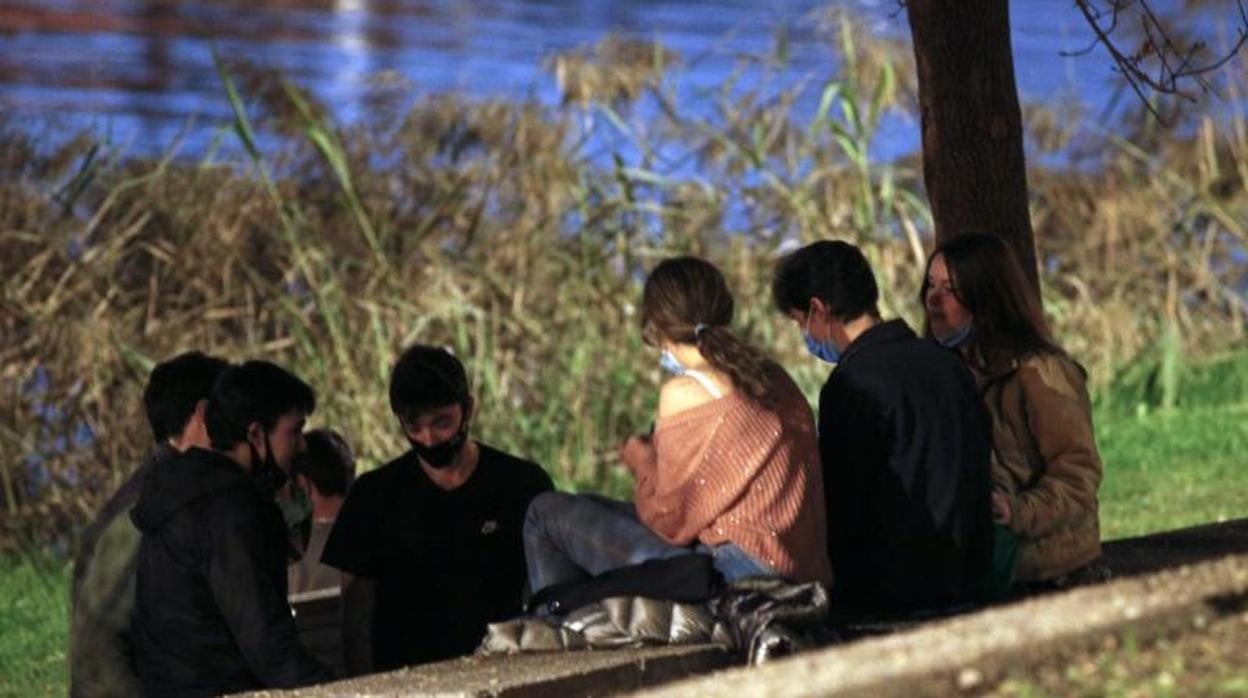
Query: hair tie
pixel 698 329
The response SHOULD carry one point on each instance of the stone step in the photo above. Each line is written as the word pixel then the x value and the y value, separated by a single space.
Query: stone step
pixel 962 654
pixel 545 674
pixel 937 654
pixel 1184 546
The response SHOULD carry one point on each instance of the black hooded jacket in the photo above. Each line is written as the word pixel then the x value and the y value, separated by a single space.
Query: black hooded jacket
pixel 210 614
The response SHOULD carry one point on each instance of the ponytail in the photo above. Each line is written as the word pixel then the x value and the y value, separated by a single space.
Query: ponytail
pixel 685 299
pixel 747 366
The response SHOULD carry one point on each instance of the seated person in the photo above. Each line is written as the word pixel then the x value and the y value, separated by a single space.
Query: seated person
pixel 1046 469
pixel 322 474
pixel 101 653
pixel 731 469
pixel 904 444
pixel 431 541
pixel 210 613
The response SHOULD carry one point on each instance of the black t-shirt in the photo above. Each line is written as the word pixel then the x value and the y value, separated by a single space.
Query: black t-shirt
pixel 445 562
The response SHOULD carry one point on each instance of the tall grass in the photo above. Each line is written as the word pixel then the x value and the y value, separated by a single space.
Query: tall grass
pixel 507 232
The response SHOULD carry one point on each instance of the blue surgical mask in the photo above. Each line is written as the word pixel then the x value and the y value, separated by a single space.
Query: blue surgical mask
pixel 824 351
pixel 958 338
pixel 668 362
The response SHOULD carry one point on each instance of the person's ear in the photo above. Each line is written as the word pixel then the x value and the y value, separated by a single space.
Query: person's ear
pixel 195 433
pixel 255 436
pixel 819 309
pixel 470 408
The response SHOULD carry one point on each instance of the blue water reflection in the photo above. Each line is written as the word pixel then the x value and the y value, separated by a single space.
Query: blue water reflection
pixel 140 69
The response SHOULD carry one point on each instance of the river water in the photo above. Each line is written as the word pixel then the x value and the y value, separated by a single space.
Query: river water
pixel 141 71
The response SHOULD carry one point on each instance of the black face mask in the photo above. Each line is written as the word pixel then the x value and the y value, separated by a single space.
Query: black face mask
pixel 439 456
pixel 265 473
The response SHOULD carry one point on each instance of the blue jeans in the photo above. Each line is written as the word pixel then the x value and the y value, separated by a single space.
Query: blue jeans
pixel 568 537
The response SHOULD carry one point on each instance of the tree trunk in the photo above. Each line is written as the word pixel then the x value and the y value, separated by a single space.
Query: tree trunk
pixel 972 126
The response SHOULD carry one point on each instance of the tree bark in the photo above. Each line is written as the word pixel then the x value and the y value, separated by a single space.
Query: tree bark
pixel 973 164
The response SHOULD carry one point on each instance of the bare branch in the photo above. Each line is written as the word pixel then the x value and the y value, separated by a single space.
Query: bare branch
pixel 1123 64
pixel 1161 65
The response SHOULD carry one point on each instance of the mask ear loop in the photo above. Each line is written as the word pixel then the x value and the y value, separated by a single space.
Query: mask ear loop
pixel 256 461
pixel 269 459
pixel 255 456
pixel 467 409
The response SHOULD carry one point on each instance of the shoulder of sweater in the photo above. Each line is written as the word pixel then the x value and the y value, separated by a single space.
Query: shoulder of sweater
pixel 680 394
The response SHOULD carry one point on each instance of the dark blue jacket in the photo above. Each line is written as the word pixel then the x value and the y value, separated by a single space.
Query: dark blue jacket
pixel 905 445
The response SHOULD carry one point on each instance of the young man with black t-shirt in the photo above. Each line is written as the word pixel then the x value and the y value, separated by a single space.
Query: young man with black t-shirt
pixel 432 540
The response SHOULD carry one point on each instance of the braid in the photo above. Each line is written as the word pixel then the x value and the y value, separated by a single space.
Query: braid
pixel 747 366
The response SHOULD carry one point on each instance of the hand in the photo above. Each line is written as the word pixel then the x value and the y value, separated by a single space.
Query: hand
pixel 1001 508
pixel 636 451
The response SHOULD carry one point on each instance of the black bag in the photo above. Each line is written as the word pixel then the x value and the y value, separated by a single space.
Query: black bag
pixel 688 578
pixel 768 617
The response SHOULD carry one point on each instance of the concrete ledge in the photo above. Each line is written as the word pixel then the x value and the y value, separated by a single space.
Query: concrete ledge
pixel 1128 557
pixel 581 673
pixel 970 652
pixel 934 658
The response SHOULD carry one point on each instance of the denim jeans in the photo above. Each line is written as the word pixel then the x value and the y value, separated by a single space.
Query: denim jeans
pixel 568 537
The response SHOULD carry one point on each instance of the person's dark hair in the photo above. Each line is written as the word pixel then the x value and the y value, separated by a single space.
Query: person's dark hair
pixel 686 300
pixel 833 271
pixel 256 391
pixel 327 462
pixel 989 282
pixel 426 378
pixel 175 387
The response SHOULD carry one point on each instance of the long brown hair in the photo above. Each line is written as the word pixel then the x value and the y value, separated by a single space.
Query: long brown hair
pixel 686 300
pixel 989 282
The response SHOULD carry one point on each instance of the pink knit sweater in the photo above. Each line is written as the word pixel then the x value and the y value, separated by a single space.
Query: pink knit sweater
pixel 732 470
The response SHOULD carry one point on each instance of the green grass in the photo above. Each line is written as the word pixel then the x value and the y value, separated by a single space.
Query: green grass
pixel 1172 469
pixel 1169 468
pixel 34 621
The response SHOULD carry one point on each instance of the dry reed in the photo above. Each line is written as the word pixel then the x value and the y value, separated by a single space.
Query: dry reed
pixel 497 229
